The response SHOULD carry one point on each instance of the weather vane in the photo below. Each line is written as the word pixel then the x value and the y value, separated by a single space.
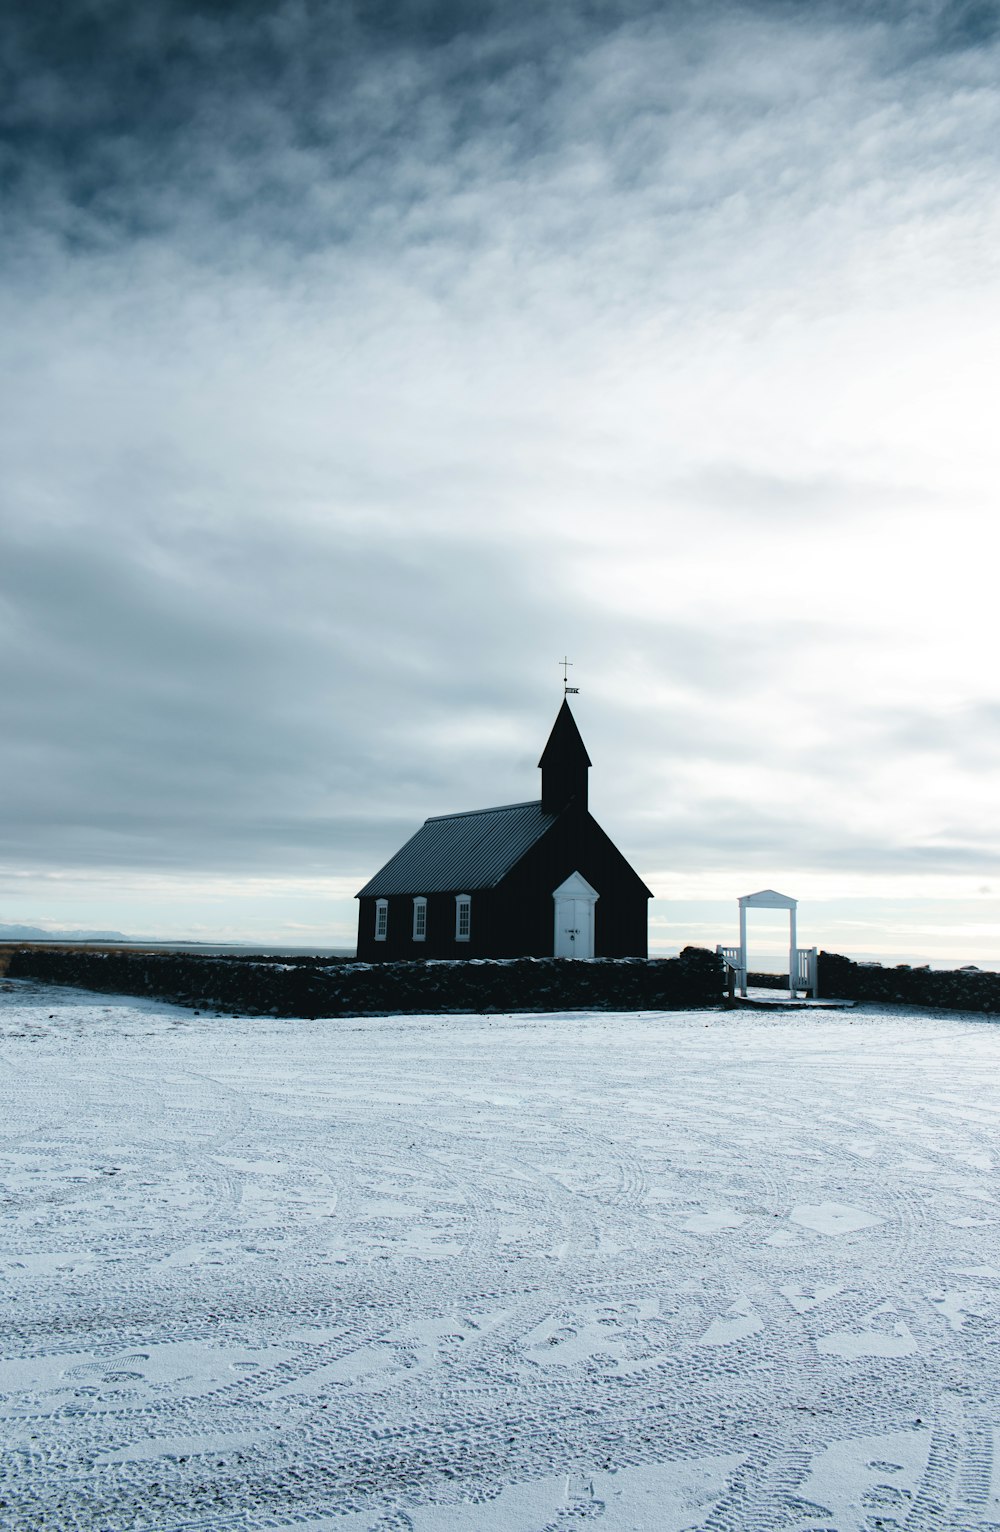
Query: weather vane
pixel 567 666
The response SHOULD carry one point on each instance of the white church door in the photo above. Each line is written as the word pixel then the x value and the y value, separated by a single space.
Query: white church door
pixel 574 907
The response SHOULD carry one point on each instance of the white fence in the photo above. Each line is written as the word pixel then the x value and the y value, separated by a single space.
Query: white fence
pixel 733 958
pixel 803 976
pixel 805 970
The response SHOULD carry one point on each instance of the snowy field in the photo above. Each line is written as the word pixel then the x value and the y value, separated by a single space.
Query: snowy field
pixel 638 1273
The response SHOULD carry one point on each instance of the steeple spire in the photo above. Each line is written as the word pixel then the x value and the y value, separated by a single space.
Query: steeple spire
pixel 564 764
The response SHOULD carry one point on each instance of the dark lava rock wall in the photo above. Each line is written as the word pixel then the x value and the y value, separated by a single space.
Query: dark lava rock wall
pixel 343 987
pixel 950 989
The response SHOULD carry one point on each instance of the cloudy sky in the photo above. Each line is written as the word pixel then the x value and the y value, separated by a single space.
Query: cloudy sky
pixel 361 360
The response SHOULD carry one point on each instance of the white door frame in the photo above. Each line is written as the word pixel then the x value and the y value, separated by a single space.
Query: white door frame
pixel 573 907
pixel 770 899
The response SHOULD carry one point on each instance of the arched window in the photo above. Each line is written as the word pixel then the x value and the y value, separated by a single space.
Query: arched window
pixel 463 917
pixel 420 919
pixel 381 919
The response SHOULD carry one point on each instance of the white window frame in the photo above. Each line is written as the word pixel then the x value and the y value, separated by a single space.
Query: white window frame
pixel 420 919
pixel 381 919
pixel 463 917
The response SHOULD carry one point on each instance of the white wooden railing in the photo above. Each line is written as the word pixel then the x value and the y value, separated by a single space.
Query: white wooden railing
pixel 805 970
pixel 802 977
pixel 733 957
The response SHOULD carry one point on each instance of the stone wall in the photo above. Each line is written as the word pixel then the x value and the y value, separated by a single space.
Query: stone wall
pixel 950 989
pixel 345 987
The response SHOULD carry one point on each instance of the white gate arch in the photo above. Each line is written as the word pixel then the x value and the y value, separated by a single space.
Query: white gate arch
pixel 801 961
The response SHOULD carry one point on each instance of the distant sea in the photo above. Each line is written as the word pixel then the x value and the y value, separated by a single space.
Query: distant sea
pixel 208 949
pixel 759 962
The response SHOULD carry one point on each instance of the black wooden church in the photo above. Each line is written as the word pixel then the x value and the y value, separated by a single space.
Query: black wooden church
pixel 537 879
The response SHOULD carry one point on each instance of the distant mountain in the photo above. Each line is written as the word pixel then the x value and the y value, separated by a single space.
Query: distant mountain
pixel 36 934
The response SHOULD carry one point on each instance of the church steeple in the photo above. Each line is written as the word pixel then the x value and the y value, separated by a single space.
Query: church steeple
pixel 564 764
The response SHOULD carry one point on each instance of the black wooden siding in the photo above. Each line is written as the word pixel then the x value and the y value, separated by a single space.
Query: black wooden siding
pixel 576 843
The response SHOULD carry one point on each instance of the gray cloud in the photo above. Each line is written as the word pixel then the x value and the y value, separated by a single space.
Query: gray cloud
pixel 364 358
pixel 408 132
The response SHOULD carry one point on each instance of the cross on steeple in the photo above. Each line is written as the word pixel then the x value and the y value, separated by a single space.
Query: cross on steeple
pixel 567 666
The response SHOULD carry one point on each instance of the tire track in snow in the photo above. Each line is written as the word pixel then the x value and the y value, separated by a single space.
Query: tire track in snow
pixel 430 1252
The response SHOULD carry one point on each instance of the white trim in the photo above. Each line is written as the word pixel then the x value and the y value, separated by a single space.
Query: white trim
pixel 576 887
pixel 381 919
pixel 420 919
pixel 463 908
pixel 767 899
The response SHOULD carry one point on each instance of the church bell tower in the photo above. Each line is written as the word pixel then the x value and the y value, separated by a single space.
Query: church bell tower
pixel 564 765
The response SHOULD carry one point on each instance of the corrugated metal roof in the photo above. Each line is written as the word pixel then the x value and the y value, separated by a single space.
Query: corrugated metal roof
pixel 458 853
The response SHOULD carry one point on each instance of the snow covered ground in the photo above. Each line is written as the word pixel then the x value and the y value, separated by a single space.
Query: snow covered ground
pixel 644 1273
